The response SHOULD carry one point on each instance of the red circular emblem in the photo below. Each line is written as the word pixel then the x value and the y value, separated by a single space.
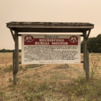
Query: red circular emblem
pixel 73 39
pixel 28 38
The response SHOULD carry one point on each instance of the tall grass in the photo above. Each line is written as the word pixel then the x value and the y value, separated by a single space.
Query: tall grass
pixel 51 85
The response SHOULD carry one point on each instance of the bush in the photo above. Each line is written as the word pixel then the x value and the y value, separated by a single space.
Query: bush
pixel 93 44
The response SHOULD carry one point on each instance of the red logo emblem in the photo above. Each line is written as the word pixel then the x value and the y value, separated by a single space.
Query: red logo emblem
pixel 28 39
pixel 73 39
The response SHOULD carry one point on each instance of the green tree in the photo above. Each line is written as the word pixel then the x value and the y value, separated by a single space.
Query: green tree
pixel 93 44
pixel 98 42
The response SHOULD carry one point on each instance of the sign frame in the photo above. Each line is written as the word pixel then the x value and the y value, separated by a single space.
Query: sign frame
pixel 48 40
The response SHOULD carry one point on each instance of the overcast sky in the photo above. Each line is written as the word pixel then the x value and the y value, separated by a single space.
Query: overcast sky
pixel 47 11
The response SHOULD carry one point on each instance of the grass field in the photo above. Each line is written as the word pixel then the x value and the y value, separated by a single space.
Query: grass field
pixel 56 82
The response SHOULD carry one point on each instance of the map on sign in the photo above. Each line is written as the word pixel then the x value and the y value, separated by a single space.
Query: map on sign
pixel 50 49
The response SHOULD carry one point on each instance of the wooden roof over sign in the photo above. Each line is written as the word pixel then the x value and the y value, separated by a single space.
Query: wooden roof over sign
pixel 50 26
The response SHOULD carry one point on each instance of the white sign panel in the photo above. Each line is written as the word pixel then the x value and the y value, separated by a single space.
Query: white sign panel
pixel 50 49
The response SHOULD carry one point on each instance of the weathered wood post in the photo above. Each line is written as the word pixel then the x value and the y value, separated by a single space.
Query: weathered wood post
pixel 86 56
pixel 15 59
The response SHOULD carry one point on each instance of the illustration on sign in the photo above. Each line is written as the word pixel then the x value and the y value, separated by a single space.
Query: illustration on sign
pixel 50 49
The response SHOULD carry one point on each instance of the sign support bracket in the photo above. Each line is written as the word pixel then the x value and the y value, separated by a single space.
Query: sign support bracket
pixel 13 35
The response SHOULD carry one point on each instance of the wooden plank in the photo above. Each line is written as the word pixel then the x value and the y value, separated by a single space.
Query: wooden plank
pixel 15 59
pixel 39 26
pixel 12 34
pixel 49 25
pixel 72 30
pixel 22 34
pixel 88 33
pixel 86 57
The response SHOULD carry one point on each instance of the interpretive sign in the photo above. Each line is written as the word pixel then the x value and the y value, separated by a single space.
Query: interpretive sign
pixel 50 49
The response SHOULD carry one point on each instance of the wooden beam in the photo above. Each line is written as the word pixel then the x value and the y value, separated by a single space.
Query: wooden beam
pixel 86 56
pixel 49 25
pixel 15 59
pixel 70 30
pixel 88 33
pixel 19 34
pixel 12 34
pixel 22 34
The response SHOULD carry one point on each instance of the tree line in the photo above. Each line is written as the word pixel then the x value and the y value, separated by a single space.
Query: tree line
pixel 93 44
pixel 7 50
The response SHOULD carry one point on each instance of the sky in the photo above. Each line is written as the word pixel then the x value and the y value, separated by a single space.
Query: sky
pixel 47 11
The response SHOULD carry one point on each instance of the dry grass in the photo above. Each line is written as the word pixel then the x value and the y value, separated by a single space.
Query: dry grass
pixel 50 82
pixel 5 59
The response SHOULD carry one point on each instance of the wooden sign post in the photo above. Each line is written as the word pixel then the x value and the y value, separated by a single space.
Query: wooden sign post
pixel 16 27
